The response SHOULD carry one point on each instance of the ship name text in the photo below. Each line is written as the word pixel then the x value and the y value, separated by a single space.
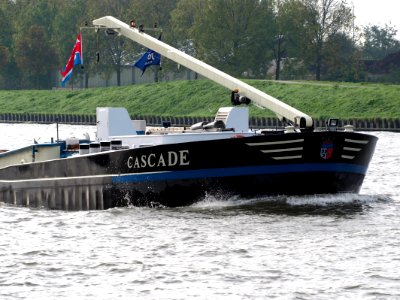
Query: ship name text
pixel 153 160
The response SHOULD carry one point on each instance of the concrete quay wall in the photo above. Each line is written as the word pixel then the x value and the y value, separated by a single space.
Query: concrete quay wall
pixel 376 124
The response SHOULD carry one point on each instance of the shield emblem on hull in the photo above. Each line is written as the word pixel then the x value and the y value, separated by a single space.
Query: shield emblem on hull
pixel 326 149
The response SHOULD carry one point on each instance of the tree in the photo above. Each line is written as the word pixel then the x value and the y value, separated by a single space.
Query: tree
pixel 310 24
pixel 7 72
pixel 234 35
pixel 152 11
pixel 4 60
pixel 156 16
pixel 33 51
pixel 184 19
pixel 5 28
pixel 113 50
pixel 37 65
pixel 379 41
pixel 4 57
pixel 279 53
pixel 341 62
pixel 328 17
pixel 293 23
pixel 69 18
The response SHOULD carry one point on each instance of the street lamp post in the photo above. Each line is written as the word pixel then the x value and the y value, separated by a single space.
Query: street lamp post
pixel 278 55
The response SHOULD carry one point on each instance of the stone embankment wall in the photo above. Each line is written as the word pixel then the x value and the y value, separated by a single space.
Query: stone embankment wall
pixel 376 124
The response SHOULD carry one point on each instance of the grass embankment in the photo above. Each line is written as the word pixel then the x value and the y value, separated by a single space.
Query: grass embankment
pixel 202 98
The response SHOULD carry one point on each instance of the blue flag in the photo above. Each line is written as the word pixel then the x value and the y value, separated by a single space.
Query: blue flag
pixel 149 58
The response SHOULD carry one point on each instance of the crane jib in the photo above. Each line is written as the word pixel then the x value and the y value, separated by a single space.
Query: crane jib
pixel 258 97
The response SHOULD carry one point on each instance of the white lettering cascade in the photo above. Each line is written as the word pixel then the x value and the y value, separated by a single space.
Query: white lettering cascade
pixel 153 160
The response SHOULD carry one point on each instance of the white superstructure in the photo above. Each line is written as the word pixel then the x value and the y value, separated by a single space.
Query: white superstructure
pixel 114 123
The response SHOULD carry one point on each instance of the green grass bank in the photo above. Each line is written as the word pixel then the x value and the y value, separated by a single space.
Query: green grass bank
pixel 202 98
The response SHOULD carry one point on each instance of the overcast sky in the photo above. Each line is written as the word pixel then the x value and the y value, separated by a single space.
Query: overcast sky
pixel 377 12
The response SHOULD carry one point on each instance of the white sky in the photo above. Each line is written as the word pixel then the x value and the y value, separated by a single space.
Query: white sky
pixel 377 12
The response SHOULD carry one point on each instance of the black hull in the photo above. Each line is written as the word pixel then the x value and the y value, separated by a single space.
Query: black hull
pixel 181 174
pixel 185 192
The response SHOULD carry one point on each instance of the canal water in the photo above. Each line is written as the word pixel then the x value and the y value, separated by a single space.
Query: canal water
pixel 316 247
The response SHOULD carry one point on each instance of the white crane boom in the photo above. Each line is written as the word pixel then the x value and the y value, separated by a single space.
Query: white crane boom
pixel 258 97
